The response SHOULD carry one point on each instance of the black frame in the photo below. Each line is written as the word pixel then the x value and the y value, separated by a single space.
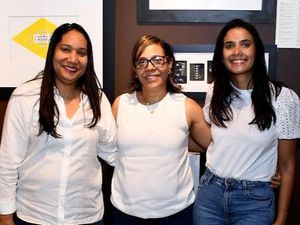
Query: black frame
pixel 144 15
pixel 109 49
pixel 5 93
pixel 108 53
pixel 209 48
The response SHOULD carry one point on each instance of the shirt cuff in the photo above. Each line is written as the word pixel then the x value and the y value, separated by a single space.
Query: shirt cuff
pixel 7 207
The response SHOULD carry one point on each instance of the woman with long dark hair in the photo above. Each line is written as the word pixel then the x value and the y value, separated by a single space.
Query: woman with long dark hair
pixel 255 123
pixel 55 127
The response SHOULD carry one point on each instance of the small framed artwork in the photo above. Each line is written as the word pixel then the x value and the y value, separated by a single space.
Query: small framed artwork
pixel 193 67
pixel 205 11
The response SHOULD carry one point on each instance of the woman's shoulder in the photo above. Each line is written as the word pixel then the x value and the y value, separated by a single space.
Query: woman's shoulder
pixel 26 96
pixel 287 107
pixel 126 96
pixel 287 97
pixel 29 88
pixel 178 96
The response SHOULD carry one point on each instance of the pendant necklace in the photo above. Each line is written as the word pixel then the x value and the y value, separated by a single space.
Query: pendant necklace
pixel 151 107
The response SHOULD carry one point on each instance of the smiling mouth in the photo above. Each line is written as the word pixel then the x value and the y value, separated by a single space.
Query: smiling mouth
pixel 71 69
pixel 237 61
pixel 151 77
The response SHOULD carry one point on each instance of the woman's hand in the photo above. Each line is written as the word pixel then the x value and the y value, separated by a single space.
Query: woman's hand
pixel 276 180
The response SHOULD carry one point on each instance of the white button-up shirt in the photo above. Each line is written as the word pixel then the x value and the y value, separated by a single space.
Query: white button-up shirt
pixel 54 180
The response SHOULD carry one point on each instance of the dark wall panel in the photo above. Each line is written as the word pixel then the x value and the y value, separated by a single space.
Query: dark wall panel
pixel 288 62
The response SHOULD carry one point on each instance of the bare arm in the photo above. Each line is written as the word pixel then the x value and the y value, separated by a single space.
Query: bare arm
pixel 287 164
pixel 6 219
pixel 199 129
pixel 194 147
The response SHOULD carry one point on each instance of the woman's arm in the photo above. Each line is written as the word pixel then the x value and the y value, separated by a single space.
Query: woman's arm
pixel 194 147
pixel 107 145
pixel 13 149
pixel 287 164
pixel 199 129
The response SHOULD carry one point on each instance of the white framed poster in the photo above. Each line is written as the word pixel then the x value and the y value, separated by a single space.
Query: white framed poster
pixel 205 5
pixel 26 28
pixel 205 11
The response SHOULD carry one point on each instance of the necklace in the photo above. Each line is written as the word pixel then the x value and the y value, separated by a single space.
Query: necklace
pixel 151 105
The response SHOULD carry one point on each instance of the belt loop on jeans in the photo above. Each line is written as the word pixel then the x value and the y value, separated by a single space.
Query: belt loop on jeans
pixel 209 175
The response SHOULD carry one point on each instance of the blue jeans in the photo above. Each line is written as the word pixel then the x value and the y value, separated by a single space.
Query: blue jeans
pixel 184 217
pixel 224 201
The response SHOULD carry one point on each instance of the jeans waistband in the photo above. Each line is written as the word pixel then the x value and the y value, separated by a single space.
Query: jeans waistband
pixel 230 181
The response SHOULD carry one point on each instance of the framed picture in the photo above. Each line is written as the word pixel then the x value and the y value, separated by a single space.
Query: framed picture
pixel 205 11
pixel 103 51
pixel 193 67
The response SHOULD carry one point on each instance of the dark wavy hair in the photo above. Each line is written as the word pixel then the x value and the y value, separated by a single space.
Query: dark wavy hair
pixel 139 47
pixel 88 83
pixel 263 87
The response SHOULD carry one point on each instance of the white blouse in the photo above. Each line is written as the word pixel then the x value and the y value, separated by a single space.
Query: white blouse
pixel 242 151
pixel 54 180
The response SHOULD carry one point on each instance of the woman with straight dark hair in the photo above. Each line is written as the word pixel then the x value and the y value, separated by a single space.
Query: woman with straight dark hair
pixel 255 123
pixel 55 127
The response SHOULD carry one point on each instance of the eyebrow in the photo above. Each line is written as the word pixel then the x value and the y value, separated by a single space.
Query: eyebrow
pixel 67 45
pixel 243 40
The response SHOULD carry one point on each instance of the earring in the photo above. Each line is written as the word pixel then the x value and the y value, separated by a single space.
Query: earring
pixel 169 72
pixel 135 76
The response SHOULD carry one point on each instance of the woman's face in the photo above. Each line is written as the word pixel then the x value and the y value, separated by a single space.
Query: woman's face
pixel 155 73
pixel 70 58
pixel 239 52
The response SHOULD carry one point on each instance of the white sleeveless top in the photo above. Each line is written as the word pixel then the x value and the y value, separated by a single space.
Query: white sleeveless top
pixel 152 178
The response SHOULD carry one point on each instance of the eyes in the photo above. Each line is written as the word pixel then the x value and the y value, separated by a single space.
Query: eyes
pixel 82 52
pixel 244 44
pixel 156 61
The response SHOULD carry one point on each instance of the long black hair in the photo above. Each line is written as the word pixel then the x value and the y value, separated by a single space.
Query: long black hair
pixel 263 87
pixel 88 83
pixel 139 47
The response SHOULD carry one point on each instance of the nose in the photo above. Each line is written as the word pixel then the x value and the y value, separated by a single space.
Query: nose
pixel 73 58
pixel 150 65
pixel 237 49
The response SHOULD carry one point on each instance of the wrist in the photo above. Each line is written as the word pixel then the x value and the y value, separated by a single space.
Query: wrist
pixel 6 219
pixel 281 218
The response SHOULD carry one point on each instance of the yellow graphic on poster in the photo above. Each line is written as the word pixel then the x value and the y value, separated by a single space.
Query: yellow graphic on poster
pixel 36 37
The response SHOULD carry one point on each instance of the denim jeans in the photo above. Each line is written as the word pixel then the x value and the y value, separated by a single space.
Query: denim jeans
pixel 184 217
pixel 226 201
